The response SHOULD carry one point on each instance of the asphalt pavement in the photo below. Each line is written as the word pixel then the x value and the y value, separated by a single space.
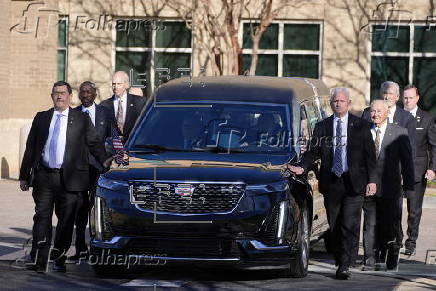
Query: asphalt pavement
pixel 16 210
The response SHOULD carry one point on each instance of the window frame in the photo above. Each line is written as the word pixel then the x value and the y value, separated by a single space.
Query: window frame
pixel 410 55
pixel 280 51
pixel 150 87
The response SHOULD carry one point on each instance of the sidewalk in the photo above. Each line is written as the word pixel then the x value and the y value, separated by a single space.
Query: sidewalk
pixel 16 212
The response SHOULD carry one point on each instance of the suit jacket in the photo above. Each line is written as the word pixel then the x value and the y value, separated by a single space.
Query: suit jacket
pixel 425 143
pixel 360 153
pixel 402 118
pixel 81 139
pixel 395 159
pixel 135 104
pixel 104 122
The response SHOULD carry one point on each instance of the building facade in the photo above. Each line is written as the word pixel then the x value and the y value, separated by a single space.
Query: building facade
pixel 348 43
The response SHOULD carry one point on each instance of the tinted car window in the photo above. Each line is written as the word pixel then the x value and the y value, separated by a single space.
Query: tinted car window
pixel 234 127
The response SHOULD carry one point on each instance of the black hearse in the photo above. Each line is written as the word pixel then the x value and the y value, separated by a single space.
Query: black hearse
pixel 206 179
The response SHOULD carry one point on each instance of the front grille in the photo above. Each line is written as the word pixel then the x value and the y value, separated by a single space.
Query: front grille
pixel 212 248
pixel 192 198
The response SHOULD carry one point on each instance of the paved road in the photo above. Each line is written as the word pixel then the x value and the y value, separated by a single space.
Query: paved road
pixel 16 212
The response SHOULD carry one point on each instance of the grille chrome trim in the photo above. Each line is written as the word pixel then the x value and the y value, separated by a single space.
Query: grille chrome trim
pixel 232 201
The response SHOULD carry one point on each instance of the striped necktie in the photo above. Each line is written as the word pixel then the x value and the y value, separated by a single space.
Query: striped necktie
pixel 338 168
pixel 52 162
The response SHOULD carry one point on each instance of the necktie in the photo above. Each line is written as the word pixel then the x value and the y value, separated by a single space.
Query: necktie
pixel 377 142
pixel 52 163
pixel 89 114
pixel 337 161
pixel 120 121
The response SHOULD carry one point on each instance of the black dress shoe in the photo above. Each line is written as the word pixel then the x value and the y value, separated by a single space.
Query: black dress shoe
pixel 392 259
pixel 343 274
pixel 409 251
pixel 39 268
pixel 59 267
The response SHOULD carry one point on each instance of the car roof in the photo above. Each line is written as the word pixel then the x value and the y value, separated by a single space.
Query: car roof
pixel 241 88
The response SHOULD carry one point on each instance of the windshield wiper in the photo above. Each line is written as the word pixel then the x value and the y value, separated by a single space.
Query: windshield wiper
pixel 221 149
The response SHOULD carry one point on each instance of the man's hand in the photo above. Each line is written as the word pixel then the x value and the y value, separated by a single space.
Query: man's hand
pixel 295 170
pixel 24 186
pixel 430 175
pixel 371 189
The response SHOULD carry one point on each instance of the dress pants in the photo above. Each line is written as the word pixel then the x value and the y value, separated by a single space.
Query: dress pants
pixel 389 226
pixel 414 210
pixel 82 211
pixel 49 194
pixel 343 207
pixel 370 230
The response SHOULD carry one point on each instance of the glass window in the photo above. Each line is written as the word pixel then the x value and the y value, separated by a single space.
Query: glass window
pixel 424 72
pixel 301 37
pixel 425 39
pixel 300 66
pixel 390 39
pixel 220 127
pixel 175 35
pixel 136 54
pixel 62 48
pixel 285 49
pixel 266 64
pixel 269 39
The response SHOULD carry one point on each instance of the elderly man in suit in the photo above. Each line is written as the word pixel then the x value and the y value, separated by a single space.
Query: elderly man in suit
pixel 123 106
pixel 382 213
pixel 103 122
pixel 390 92
pixel 344 144
pixel 56 156
pixel 425 163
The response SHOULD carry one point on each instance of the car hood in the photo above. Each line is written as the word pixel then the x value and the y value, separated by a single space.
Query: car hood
pixel 182 166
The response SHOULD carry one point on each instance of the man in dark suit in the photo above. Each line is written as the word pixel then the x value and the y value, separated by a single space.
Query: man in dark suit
pixel 382 227
pixel 131 105
pixel 103 122
pixel 425 163
pixel 343 143
pixel 390 92
pixel 382 216
pixel 56 156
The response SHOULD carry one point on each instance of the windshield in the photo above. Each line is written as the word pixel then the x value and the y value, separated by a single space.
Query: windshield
pixel 215 127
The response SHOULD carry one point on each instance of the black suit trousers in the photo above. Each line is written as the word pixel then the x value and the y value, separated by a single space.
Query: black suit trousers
pixel 82 211
pixel 49 194
pixel 414 210
pixel 389 227
pixel 343 207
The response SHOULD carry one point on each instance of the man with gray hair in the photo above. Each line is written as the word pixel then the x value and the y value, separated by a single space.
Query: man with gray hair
pixel 124 107
pixel 346 149
pixel 382 232
pixel 390 92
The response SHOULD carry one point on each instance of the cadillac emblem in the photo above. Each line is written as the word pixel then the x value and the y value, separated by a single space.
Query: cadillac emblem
pixel 184 190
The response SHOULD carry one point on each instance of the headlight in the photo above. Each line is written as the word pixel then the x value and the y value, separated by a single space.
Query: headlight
pixel 114 185
pixel 267 188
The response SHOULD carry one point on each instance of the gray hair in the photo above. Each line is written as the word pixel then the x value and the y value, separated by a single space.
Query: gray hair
pixel 382 102
pixel 335 91
pixel 124 74
pixel 389 84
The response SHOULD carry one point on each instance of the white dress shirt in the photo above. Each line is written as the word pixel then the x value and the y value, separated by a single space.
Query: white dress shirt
pixel 343 141
pixel 413 111
pixel 382 132
pixel 91 110
pixel 124 102
pixel 391 114
pixel 60 151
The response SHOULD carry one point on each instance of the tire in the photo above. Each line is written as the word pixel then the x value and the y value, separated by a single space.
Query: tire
pixel 299 265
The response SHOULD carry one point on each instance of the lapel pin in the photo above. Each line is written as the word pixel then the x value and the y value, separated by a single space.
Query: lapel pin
pixel 101 122
pixel 131 104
